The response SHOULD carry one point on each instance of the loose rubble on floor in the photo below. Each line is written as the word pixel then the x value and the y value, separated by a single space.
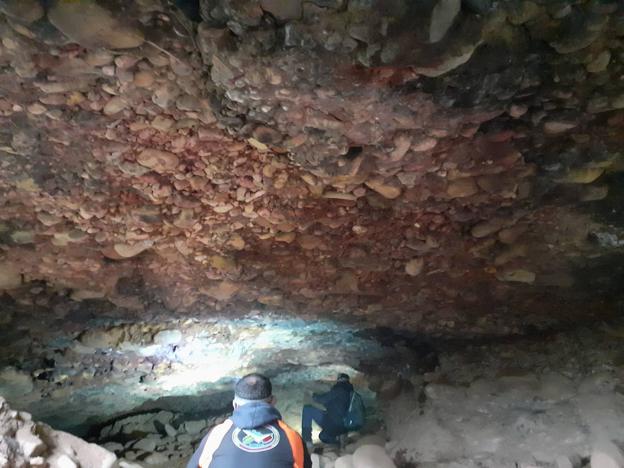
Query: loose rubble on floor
pixel 28 444
pixel 156 439
pixel 550 401
pixel 553 401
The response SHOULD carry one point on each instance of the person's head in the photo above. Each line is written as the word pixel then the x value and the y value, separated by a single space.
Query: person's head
pixel 342 378
pixel 253 388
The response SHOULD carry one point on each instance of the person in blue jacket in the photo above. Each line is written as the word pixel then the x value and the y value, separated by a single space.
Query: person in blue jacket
pixel 255 435
pixel 336 403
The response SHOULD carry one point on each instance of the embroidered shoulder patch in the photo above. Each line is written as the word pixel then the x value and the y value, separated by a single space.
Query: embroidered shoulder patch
pixel 256 440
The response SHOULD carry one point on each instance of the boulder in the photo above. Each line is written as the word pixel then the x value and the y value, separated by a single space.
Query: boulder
pixel 60 460
pixel 606 455
pixel 170 430
pixel 194 427
pixel 30 444
pixel 372 456
pixel 156 459
pixel 375 439
pixel 14 383
pixel 88 455
pixel 147 444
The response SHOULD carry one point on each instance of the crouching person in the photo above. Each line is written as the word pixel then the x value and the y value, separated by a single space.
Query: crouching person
pixel 255 435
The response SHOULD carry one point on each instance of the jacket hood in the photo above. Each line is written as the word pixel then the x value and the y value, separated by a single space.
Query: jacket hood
pixel 345 385
pixel 254 415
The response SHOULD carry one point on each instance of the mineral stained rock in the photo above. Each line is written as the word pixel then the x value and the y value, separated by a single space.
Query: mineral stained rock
pixel 438 161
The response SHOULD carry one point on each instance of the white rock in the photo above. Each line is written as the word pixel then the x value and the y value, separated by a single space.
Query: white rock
pixel 90 455
pixel 146 445
pixel 30 444
pixel 168 337
pixel 606 455
pixel 155 459
pixel 170 430
pixel 194 427
pixel 375 439
pixel 61 461
pixel 372 456
pixel 127 464
pixel 344 462
pixel 35 462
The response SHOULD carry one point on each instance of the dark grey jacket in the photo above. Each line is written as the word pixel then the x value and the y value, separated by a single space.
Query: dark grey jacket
pixel 255 440
pixel 336 402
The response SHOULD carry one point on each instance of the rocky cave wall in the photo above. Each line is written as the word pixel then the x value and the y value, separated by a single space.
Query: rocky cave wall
pixel 452 167
pixel 323 185
pixel 549 401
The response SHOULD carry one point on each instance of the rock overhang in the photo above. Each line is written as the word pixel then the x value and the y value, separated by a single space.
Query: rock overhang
pixel 432 166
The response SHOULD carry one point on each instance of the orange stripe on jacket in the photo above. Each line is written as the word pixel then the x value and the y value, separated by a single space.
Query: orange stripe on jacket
pixel 296 443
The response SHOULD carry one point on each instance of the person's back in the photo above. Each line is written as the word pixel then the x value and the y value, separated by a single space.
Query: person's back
pixel 255 436
pixel 336 402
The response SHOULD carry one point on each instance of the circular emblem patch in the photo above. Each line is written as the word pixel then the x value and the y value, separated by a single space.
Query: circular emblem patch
pixel 256 440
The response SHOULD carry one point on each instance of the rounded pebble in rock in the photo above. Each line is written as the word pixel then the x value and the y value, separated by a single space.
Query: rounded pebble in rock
pixel 91 25
pixel 114 106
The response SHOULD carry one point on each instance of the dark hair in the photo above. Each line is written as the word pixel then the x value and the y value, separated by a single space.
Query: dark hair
pixel 253 387
pixel 343 377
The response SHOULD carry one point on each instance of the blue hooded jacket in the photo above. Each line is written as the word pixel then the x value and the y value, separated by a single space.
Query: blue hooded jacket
pixel 240 448
pixel 336 402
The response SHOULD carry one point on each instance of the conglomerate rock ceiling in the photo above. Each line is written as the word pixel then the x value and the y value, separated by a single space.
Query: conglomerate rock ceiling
pixel 444 166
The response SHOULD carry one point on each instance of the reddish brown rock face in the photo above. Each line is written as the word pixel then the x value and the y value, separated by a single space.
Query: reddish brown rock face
pixel 441 167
